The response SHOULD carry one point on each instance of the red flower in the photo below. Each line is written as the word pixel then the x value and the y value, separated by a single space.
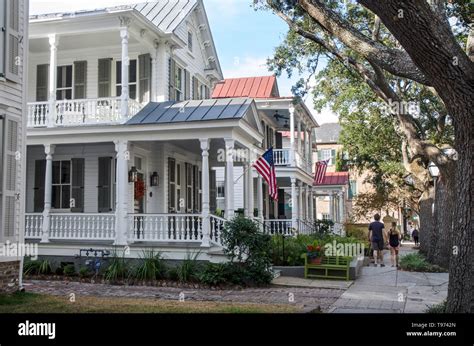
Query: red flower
pixel 310 248
pixel 318 248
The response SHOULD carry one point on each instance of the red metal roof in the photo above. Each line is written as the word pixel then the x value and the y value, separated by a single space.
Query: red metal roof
pixel 335 178
pixel 255 87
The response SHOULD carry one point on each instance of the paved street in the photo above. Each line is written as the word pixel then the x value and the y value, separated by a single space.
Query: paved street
pixel 388 290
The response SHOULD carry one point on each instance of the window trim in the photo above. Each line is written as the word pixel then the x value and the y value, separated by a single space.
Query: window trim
pixel 60 184
pixel 65 77
pixel 119 84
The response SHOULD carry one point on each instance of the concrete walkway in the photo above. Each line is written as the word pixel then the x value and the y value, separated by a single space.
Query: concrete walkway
pixel 388 290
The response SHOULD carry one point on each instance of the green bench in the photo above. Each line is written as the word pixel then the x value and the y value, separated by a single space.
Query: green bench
pixel 331 267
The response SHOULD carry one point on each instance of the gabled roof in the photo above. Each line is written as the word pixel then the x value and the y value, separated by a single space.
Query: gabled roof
pixel 335 178
pixel 254 87
pixel 192 110
pixel 328 133
pixel 164 14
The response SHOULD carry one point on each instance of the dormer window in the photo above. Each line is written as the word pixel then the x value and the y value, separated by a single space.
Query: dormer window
pixel 190 41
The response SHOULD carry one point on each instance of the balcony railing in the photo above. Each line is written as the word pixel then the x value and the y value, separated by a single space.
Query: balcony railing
pixel 281 157
pixel 79 112
pixel 33 225
pixel 82 226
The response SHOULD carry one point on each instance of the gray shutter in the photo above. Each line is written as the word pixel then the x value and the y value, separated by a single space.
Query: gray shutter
pixel 3 5
pixel 12 38
pixel 11 146
pixel 40 170
pixel 212 191
pixel 105 184
pixel 195 188
pixel 320 156
pixel 333 156
pixel 195 88
pixel 187 85
pixel 144 69
pixel 80 79
pixel 105 76
pixel 171 80
pixel 42 72
pixel 77 185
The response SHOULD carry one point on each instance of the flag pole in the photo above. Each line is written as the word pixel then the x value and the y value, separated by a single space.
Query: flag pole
pixel 245 171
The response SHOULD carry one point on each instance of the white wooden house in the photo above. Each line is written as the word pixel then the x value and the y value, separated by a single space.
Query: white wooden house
pixel 13 57
pixel 126 154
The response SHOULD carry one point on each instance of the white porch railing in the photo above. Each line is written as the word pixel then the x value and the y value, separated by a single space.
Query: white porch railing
pixel 82 226
pixel 217 225
pixel 165 227
pixel 278 226
pixel 33 225
pixel 305 227
pixel 281 157
pixel 80 112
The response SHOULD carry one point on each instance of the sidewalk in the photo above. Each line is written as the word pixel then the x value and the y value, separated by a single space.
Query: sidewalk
pixel 388 290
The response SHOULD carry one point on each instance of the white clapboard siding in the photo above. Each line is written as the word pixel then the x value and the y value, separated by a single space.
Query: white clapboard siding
pixel 238 186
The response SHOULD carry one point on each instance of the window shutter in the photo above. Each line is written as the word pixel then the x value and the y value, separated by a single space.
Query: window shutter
pixel 80 79
pixel 40 169
pixel 12 38
pixel 171 80
pixel 195 88
pixel 11 146
pixel 105 75
pixel 144 68
pixel 3 6
pixel 105 184
pixel 320 155
pixel 212 191
pixel 333 156
pixel 187 85
pixel 77 186
pixel 42 72
pixel 195 188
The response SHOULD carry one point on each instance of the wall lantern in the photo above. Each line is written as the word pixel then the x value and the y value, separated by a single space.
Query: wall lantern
pixel 133 175
pixel 154 179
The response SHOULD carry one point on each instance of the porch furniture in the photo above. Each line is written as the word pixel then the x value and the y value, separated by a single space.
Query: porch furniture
pixel 331 267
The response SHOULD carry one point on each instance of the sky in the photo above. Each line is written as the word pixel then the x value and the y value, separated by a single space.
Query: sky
pixel 244 38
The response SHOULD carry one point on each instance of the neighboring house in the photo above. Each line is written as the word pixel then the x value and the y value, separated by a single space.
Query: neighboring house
pixel 337 192
pixel 13 58
pixel 128 155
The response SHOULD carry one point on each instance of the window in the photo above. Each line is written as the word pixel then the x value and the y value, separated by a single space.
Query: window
pixel 64 83
pixel 220 189
pixel 171 185
pixel 178 83
pixel 132 79
pixel 104 192
pixel 352 189
pixel 178 187
pixel 61 185
pixel 190 41
pixel 325 154
pixel 189 187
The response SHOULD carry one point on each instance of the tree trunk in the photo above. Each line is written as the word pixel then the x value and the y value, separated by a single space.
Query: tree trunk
pixel 427 238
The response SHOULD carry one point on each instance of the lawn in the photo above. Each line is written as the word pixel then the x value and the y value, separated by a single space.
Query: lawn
pixel 41 303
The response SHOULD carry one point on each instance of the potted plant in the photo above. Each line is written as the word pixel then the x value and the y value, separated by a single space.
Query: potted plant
pixel 314 253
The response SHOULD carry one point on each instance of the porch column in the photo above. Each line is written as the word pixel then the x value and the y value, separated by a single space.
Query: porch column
pixel 250 203
pixel 229 182
pixel 48 191
pixel 53 50
pixel 310 148
pixel 206 222
pixel 294 205
pixel 292 135
pixel 341 206
pixel 154 74
pixel 124 97
pixel 331 207
pixel 311 204
pixel 305 144
pixel 300 200
pixel 260 197
pixel 308 203
pixel 121 206
pixel 299 136
pixel 245 190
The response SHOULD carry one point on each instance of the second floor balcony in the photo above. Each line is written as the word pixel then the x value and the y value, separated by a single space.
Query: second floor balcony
pixel 107 110
pixel 284 158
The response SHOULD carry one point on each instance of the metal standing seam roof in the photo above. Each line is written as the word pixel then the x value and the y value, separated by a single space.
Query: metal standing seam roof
pixel 254 87
pixel 192 110
pixel 335 178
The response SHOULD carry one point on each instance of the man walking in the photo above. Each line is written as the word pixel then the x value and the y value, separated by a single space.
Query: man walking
pixel 415 236
pixel 377 239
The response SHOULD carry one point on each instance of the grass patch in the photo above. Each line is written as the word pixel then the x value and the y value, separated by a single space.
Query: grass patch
pixel 41 303
pixel 416 262
pixel 437 308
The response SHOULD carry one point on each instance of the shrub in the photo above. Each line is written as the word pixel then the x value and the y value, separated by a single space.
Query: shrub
pixel 172 274
pixel 117 269
pixel 214 274
pixel 31 267
pixel 437 308
pixel 188 270
pixel 151 266
pixel 250 249
pixel 323 226
pixel 69 270
pixel 417 262
pixel 59 271
pixel 44 267
pixel 84 272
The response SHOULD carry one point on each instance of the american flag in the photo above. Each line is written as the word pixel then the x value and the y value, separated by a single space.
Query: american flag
pixel 320 171
pixel 265 167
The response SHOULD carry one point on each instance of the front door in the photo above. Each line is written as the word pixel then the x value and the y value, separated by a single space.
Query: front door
pixel 139 207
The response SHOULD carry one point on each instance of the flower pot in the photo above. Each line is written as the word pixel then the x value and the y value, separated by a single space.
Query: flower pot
pixel 315 260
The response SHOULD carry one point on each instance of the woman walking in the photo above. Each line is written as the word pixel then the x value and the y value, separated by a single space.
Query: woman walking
pixel 394 237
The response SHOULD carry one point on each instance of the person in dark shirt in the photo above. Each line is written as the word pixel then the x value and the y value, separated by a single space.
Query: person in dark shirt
pixel 415 236
pixel 377 239
pixel 394 237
